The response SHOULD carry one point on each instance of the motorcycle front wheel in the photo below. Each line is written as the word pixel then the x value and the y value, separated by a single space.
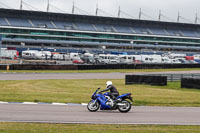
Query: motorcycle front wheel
pixel 126 107
pixel 93 106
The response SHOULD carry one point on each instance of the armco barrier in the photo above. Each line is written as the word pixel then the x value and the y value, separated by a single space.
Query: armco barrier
pixel 190 83
pixel 145 79
pixel 136 66
pixel 95 67
pixel 2 67
pixel 43 67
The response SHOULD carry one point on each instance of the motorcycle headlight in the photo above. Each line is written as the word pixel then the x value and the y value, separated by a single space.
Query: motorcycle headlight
pixel 93 97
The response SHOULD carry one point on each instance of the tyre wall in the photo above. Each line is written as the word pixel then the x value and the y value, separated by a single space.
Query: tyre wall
pixel 144 79
pixel 190 83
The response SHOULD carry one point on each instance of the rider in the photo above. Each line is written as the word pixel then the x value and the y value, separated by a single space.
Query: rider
pixel 113 90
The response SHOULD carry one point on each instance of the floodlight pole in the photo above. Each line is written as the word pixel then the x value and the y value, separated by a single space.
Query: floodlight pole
pixel 159 17
pixel 73 8
pixel 196 19
pixel 140 13
pixel 178 19
pixel 21 5
pixel 47 5
pixel 119 12
pixel 97 10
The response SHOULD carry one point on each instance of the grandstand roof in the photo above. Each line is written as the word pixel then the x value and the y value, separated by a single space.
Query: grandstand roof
pixel 13 13
pixel 48 28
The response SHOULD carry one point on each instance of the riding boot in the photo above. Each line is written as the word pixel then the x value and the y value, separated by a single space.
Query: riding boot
pixel 114 101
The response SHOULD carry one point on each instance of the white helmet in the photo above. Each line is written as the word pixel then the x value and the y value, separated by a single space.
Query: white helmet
pixel 108 83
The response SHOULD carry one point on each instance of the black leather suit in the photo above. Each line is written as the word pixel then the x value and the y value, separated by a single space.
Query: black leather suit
pixel 113 91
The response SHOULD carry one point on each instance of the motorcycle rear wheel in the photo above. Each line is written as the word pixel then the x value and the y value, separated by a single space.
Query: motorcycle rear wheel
pixel 93 106
pixel 126 107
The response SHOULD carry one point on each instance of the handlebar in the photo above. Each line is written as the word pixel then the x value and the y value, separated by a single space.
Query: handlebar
pixel 97 89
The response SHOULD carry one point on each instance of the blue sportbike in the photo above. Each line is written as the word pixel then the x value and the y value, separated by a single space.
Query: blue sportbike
pixel 104 102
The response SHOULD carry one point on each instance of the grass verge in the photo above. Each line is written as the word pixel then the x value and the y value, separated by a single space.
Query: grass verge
pixel 80 91
pixel 100 71
pixel 90 128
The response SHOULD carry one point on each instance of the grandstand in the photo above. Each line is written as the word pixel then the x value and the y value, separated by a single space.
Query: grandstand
pixel 33 29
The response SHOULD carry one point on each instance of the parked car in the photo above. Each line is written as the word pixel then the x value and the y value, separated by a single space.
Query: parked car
pixel 198 61
pixel 78 61
pixel 192 62
pixel 183 61
pixel 175 61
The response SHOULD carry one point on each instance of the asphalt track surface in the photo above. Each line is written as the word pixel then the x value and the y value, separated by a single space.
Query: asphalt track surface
pixel 35 76
pixel 80 114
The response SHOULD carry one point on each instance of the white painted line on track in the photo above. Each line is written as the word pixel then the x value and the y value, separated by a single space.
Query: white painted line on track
pixel 3 102
pixel 42 103
pixel 29 103
pixel 59 103
pixel 104 123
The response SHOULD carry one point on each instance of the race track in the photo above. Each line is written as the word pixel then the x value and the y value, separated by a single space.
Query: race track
pixel 35 76
pixel 80 114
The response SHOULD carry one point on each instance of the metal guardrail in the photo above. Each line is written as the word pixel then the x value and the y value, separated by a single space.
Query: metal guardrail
pixel 177 77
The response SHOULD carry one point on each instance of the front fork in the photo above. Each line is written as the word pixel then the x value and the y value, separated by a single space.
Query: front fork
pixel 94 102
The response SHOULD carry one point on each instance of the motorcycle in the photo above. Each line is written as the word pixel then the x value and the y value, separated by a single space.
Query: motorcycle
pixel 104 102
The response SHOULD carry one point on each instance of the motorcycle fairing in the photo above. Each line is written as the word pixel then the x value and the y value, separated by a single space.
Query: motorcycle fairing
pixel 102 100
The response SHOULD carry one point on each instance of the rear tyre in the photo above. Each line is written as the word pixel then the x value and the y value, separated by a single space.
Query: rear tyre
pixel 126 107
pixel 93 106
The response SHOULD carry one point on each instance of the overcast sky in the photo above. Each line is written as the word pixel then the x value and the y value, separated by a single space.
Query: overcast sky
pixel 169 8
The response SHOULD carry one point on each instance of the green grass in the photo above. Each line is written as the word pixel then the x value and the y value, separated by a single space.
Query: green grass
pixel 80 91
pixel 100 71
pixel 88 128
